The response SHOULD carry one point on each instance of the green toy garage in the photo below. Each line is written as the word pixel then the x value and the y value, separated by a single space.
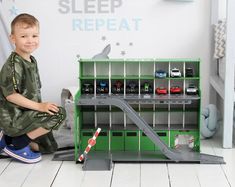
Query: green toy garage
pixel 138 126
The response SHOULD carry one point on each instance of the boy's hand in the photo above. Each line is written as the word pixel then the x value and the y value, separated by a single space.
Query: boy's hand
pixel 50 108
pixel 20 100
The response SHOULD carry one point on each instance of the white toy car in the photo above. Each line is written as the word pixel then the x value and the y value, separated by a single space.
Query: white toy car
pixel 175 72
pixel 191 90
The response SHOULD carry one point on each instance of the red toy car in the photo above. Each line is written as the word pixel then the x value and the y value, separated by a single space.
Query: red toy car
pixel 117 87
pixel 175 90
pixel 161 90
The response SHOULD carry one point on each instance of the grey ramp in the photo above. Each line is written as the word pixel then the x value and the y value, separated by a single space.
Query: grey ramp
pixel 172 154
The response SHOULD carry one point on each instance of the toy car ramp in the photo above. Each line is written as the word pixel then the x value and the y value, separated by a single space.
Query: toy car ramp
pixel 171 155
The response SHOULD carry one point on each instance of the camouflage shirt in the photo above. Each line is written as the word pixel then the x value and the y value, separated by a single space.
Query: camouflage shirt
pixel 21 76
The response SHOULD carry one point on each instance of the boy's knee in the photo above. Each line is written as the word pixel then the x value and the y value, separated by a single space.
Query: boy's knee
pixel 62 113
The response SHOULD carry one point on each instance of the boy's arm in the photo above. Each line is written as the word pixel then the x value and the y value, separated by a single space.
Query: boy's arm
pixel 22 101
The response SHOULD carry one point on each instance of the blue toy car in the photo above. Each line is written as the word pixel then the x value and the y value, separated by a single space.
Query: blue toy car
pixel 160 74
pixel 102 87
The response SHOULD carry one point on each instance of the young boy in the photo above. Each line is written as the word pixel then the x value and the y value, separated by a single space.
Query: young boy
pixel 26 122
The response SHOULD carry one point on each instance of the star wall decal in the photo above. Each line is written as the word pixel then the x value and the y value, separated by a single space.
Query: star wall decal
pixel 123 53
pixel 103 38
pixel 13 11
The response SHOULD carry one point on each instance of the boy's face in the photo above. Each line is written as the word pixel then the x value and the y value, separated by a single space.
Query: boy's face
pixel 25 38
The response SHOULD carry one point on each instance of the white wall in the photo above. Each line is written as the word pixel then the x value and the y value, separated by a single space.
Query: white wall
pixel 143 29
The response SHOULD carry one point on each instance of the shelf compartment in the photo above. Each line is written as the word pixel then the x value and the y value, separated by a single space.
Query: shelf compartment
pixel 132 69
pixel 131 140
pixel 88 118
pixel 102 86
pixel 188 138
pixel 87 86
pixel 164 136
pixel 162 65
pixel 103 119
pixel 117 140
pixel 86 134
pixel 161 120
pixel 102 142
pixel 195 67
pixel 147 69
pixel 117 69
pixel 191 120
pixel 102 69
pixel 179 65
pixel 117 86
pixel 176 119
pixel 87 69
pixel 145 143
pixel 146 87
pixel 148 117
pixel 132 86
pixel 117 119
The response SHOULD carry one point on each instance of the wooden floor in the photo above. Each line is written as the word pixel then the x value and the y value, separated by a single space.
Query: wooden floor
pixel 68 174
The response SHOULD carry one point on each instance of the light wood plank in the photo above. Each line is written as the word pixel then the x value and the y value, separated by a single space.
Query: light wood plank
pixel 43 173
pixel 15 174
pixel 210 175
pixel 229 157
pixel 3 164
pixel 153 174
pixel 126 175
pixel 183 175
pixel 69 175
pixel 97 179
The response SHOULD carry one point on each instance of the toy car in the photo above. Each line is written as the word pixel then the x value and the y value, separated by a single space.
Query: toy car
pixel 117 87
pixel 160 74
pixel 175 72
pixel 191 90
pixel 146 88
pixel 132 87
pixel 175 90
pixel 189 72
pixel 87 88
pixel 161 90
pixel 102 87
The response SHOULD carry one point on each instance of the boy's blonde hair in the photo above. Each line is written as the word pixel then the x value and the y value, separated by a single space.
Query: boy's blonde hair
pixel 24 18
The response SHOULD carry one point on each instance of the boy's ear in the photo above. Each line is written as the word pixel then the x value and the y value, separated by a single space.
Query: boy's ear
pixel 12 39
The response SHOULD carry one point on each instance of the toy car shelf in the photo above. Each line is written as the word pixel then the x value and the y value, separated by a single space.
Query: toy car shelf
pixel 138 124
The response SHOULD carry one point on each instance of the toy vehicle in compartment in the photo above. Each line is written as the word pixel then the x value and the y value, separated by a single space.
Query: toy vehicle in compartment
pixel 146 88
pixel 102 87
pixel 161 90
pixel 175 90
pixel 175 72
pixel 189 72
pixel 132 87
pixel 191 90
pixel 87 88
pixel 160 74
pixel 118 87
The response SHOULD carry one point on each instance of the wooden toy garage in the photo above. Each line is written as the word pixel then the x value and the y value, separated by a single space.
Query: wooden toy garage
pixel 148 111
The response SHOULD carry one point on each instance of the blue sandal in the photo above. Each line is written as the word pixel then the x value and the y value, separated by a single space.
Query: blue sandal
pixel 2 141
pixel 24 155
